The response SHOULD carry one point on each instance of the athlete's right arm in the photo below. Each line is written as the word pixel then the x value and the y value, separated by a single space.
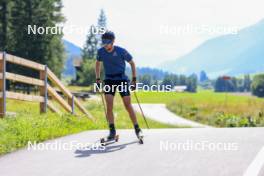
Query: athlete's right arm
pixel 97 69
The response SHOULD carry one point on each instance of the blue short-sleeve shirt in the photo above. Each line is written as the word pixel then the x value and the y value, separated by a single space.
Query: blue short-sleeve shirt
pixel 114 62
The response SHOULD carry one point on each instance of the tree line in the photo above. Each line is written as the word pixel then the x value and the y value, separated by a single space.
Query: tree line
pixel 235 84
pixel 15 16
pixel 170 79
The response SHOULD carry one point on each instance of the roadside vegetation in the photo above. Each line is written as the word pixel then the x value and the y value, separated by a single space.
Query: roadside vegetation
pixel 28 125
pixel 210 108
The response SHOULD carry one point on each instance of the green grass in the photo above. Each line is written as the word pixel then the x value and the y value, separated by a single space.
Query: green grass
pixel 29 125
pixel 122 120
pixel 79 88
pixel 211 108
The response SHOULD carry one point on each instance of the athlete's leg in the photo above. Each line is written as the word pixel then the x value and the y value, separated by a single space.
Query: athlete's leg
pixel 129 108
pixel 109 98
pixel 132 114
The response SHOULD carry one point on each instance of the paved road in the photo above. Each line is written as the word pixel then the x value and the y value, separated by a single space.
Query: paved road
pixel 160 113
pixel 170 152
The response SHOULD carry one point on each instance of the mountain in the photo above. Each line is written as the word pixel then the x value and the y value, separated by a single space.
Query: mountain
pixel 72 51
pixel 153 72
pixel 228 54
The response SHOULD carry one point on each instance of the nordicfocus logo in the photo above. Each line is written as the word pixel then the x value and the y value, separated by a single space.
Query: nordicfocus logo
pixel 124 86
pixel 191 29
pixel 59 30
pixel 63 146
pixel 190 145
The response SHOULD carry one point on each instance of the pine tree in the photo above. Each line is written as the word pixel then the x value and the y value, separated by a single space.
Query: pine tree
pixel 87 73
pixel 101 24
pixel 146 79
pixel 258 85
pixel 203 76
pixel 5 12
pixel 220 85
pixel 182 80
pixel 247 83
pixel 93 39
pixel 234 85
pixel 192 83
pixel 175 80
pixel 102 19
pixel 46 48
pixel 5 39
pixel 167 80
pixel 3 24
pixel 90 48
pixel 89 52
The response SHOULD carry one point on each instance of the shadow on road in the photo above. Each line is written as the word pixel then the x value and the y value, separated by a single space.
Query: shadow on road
pixel 88 151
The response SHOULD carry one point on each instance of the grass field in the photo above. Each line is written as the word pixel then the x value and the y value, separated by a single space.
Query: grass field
pixel 29 125
pixel 79 88
pixel 211 108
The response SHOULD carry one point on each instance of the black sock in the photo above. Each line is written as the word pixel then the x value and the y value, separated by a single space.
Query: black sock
pixel 112 127
pixel 136 126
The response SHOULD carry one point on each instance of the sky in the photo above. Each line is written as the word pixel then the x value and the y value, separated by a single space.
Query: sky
pixel 155 31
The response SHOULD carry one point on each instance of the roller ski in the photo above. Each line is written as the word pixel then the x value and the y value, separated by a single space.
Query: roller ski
pixel 111 138
pixel 139 135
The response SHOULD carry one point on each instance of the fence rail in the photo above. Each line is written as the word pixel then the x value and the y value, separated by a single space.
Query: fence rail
pixel 67 101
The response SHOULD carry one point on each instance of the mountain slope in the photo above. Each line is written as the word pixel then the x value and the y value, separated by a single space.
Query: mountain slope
pixel 72 51
pixel 228 54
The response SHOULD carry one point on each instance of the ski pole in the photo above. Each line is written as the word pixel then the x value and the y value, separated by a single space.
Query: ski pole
pixel 103 102
pixel 141 110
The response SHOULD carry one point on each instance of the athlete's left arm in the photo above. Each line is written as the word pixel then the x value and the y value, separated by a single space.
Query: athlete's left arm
pixel 133 68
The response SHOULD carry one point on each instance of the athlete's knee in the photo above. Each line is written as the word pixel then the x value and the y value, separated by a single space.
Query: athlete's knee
pixel 128 105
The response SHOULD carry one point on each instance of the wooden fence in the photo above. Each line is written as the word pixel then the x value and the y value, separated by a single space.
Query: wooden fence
pixel 67 101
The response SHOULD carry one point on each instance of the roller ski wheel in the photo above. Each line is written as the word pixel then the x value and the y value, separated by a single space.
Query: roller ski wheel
pixel 140 140
pixel 140 137
pixel 106 141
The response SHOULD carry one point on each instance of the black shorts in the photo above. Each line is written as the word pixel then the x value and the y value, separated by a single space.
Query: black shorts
pixel 111 86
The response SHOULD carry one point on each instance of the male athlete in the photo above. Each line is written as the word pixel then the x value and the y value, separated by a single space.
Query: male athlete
pixel 113 59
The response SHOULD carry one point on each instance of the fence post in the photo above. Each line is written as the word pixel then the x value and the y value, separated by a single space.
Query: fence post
pixel 44 90
pixel 3 85
pixel 71 103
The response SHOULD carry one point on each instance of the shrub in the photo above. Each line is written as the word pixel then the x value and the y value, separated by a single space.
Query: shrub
pixel 258 85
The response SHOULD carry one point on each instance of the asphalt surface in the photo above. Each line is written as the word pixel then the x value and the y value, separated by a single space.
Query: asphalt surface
pixel 160 113
pixel 181 152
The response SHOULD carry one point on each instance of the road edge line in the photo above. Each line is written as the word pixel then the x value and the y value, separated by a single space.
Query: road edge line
pixel 256 165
